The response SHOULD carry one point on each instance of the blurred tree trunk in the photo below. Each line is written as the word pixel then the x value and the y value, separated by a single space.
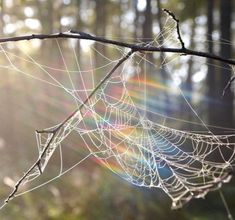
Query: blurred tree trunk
pixel 100 30
pixel 147 72
pixel 49 55
pixel 79 27
pixel 148 21
pixel 211 73
pixel 163 71
pixel 220 110
pixel 147 27
pixel 6 96
pixel 188 85
pixel 46 19
pixel 161 39
pixel 136 21
pixel 226 109
pixel 1 17
pixel 46 15
pixel 117 27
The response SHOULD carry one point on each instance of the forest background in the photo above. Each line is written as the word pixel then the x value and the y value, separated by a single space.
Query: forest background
pixel 91 191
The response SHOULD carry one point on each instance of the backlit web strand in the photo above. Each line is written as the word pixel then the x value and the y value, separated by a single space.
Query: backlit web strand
pixel 116 131
pixel 183 164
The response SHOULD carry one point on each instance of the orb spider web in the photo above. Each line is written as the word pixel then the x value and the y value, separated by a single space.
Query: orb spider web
pixel 116 130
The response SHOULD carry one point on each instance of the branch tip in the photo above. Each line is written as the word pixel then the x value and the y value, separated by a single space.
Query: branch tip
pixel 228 86
pixel 177 21
pixel 72 34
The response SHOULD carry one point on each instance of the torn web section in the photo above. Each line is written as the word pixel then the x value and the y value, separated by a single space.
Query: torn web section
pixel 49 140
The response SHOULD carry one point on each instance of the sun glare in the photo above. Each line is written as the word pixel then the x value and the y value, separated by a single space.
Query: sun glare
pixel 86 44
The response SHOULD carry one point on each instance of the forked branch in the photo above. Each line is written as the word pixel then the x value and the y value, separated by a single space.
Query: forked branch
pixel 85 36
pixel 54 132
pixel 135 47
pixel 171 14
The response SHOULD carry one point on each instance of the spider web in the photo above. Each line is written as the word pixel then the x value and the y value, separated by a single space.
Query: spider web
pixel 116 129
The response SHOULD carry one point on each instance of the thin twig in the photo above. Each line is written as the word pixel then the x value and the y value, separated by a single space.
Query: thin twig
pixel 37 163
pixel 228 86
pixel 171 14
pixel 133 47
pixel 230 217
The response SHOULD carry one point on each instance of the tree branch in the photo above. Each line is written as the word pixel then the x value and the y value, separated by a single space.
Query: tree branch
pixel 54 132
pixel 136 47
pixel 85 36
